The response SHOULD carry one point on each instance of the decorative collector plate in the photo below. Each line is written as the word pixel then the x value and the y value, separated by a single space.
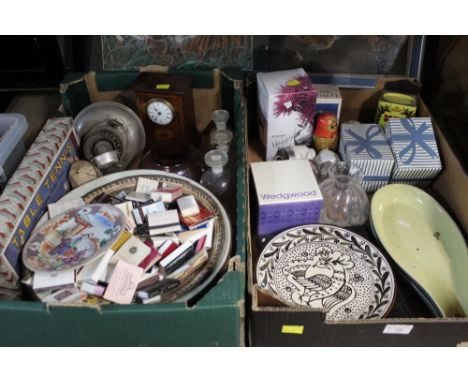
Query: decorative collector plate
pixel 330 268
pixel 73 238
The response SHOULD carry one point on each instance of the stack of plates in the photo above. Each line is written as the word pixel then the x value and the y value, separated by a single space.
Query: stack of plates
pixel 328 268
pixel 426 244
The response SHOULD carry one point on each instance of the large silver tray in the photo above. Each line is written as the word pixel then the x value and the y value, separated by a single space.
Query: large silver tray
pixel 221 246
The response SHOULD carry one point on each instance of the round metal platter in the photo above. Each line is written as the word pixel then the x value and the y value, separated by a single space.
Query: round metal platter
pixel 221 245
pixel 330 268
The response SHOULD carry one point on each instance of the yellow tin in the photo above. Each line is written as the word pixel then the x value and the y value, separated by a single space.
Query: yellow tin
pixel 395 105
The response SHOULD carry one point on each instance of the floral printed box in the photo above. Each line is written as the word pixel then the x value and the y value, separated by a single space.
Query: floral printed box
pixel 287 101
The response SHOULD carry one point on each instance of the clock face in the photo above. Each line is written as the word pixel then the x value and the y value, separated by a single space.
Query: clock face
pixel 160 112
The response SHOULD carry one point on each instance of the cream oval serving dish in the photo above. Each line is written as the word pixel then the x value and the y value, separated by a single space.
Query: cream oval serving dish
pixel 425 243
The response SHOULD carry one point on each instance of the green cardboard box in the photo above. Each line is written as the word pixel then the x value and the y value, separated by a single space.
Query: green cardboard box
pixel 216 319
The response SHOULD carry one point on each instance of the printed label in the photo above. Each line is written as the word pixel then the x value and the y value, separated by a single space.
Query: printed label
pixel 398 329
pixel 292 329
pixel 162 86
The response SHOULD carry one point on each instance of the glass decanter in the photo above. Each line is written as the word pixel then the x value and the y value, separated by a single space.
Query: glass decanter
pixel 182 159
pixel 216 179
pixel 220 136
pixel 345 202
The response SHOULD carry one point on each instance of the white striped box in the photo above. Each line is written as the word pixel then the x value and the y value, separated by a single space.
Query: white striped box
pixel 365 145
pixel 414 145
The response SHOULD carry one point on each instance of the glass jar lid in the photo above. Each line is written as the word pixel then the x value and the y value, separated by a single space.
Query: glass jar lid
pixel 221 138
pixel 220 118
pixel 216 159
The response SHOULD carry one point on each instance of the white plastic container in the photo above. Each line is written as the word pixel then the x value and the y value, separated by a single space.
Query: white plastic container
pixel 12 129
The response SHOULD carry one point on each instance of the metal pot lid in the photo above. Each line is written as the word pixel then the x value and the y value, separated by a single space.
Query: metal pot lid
pixel 113 114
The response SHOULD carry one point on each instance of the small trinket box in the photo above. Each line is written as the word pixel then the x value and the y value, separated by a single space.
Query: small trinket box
pixel 188 206
pixel 192 235
pixel 127 208
pixel 167 194
pixel 195 221
pixel 134 251
pixel 190 266
pixel 167 248
pixel 178 257
pixel 414 146
pixel 146 186
pixel 366 146
pixel 141 212
pixel 163 222
pixel 160 240
pixel 123 283
pixel 43 281
pixel 158 289
pixel 64 296
pixel 138 197
pixel 153 257
pixel 96 270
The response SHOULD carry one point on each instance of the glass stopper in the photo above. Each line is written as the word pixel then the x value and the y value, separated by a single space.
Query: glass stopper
pixel 216 159
pixel 220 118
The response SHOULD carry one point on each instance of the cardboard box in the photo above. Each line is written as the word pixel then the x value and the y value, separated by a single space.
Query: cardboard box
pixel 41 178
pixel 286 102
pixel 366 146
pixel 328 100
pixel 216 318
pixel 274 324
pixel 414 146
pixel 287 195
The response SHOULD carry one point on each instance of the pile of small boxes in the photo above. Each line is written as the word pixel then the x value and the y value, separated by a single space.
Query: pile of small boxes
pixel 406 152
pixel 167 239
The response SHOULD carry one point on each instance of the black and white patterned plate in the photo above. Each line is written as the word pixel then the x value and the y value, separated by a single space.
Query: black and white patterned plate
pixel 330 268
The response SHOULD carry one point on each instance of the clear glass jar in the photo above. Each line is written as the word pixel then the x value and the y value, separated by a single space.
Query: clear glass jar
pixel 216 179
pixel 345 202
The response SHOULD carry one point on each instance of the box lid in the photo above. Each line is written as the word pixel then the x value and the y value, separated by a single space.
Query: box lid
pixel 273 81
pixel 288 181
pixel 414 143
pixel 365 142
pixel 12 128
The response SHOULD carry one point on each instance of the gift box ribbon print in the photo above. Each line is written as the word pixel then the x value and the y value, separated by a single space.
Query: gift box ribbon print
pixel 416 137
pixel 367 143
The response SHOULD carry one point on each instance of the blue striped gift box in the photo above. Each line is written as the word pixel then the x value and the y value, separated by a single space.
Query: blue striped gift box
pixel 365 146
pixel 414 145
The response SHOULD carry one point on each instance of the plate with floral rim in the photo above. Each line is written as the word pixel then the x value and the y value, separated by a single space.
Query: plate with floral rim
pixel 329 268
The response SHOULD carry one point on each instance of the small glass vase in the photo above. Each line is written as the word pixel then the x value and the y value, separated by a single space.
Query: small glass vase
pixel 345 202
pixel 216 179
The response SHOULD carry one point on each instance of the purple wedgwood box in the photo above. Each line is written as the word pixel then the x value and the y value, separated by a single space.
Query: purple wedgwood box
pixel 287 193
